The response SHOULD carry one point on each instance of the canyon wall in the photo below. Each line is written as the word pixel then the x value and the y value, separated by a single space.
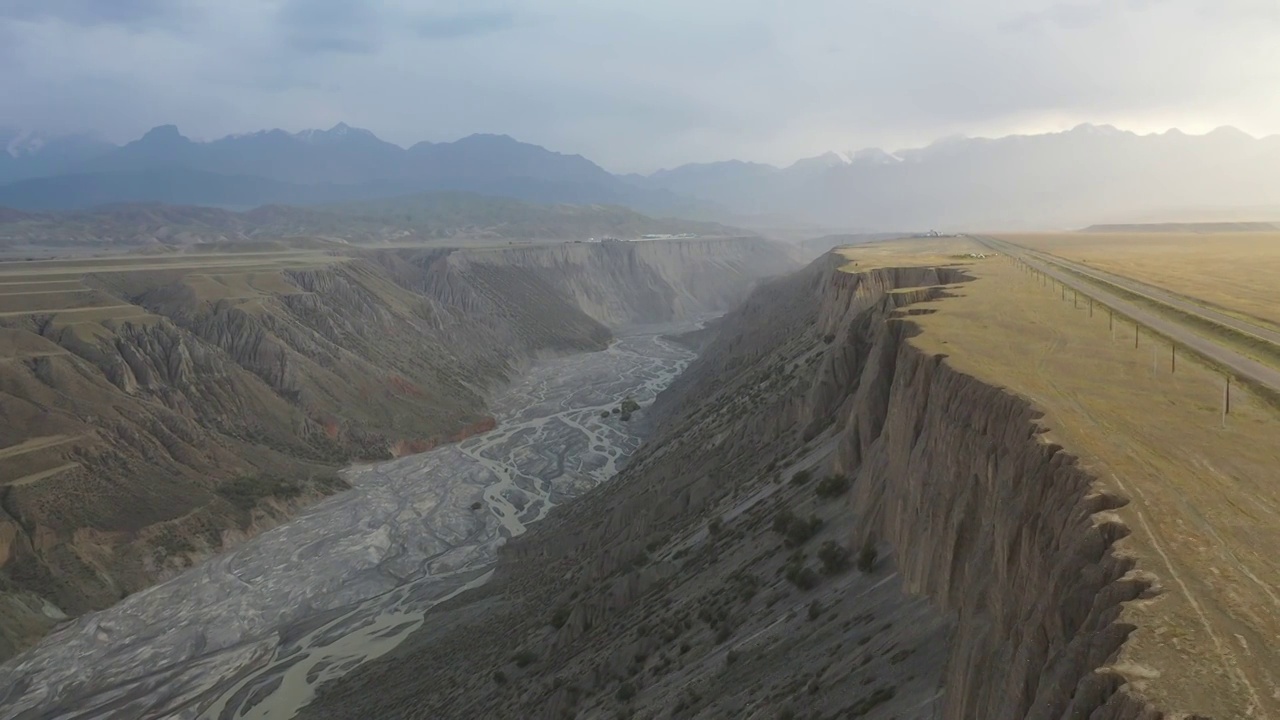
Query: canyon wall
pixel 626 283
pixel 986 558
pixel 191 408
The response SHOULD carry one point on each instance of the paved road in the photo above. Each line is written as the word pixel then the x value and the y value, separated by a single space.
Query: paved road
pixel 1162 296
pixel 1239 364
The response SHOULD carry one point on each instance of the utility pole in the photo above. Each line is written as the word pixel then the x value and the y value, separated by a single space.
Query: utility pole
pixel 1226 401
pixel 1135 334
pixel 1090 307
pixel 1173 358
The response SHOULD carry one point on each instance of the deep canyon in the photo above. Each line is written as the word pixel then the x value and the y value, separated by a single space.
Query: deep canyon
pixel 159 409
pixel 828 523
pixel 824 520
pixel 251 633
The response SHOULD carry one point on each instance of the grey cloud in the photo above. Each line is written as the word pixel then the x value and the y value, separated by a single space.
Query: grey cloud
pixel 345 26
pixel 1069 16
pixel 640 85
pixel 87 12
pixel 463 24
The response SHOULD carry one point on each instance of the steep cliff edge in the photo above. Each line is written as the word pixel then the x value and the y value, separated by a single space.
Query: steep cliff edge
pixel 991 574
pixel 154 411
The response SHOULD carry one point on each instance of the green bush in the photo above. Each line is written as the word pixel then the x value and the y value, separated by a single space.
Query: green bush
pixel 815 610
pixel 246 491
pixel 794 529
pixel 832 486
pixel 869 703
pixel 802 576
pixel 560 617
pixel 834 557
pixel 867 557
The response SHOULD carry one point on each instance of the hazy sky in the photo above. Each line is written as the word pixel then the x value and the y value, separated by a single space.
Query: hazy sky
pixel 640 85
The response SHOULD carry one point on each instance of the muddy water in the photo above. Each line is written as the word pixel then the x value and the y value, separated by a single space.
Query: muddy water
pixel 253 632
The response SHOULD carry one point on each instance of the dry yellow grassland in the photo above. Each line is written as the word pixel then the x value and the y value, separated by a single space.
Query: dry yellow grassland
pixel 1236 272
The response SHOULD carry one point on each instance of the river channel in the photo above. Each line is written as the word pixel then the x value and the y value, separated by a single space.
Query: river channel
pixel 251 633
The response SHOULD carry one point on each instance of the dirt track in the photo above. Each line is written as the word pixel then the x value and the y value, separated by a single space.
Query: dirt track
pixel 1243 367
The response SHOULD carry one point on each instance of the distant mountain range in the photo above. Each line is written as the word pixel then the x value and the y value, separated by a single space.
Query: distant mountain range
pixel 1088 175
pixel 310 167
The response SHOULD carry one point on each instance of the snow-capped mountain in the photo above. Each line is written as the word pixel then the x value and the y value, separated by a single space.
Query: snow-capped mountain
pixel 30 153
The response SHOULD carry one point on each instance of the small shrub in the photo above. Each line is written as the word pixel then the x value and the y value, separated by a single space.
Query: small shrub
pixel 802 577
pixel 560 617
pixel 869 703
pixel 524 658
pixel 246 491
pixel 477 505
pixel 731 657
pixel 834 557
pixel 867 557
pixel 626 691
pixel 801 477
pixel 604 414
pixel 828 338
pixel 748 586
pixel 815 610
pixel 629 406
pixel 716 526
pixel 499 677
pixel 795 530
pixel 724 633
pixel 782 521
pixel 832 486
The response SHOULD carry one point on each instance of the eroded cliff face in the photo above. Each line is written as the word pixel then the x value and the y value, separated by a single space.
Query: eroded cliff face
pixel 991 587
pixel 199 407
pixel 624 283
pixel 1000 531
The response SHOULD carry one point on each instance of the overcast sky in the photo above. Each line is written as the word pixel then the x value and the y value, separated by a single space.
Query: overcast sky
pixel 641 85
